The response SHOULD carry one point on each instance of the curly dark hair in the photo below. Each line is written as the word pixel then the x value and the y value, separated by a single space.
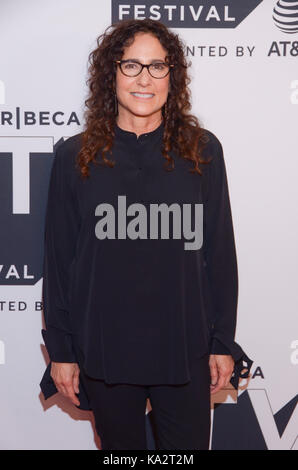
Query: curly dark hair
pixel 182 130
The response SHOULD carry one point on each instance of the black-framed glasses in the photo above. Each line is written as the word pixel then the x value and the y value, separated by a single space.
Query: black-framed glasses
pixel 132 68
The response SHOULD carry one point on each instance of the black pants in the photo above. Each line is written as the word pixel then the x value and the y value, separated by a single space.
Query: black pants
pixel 181 413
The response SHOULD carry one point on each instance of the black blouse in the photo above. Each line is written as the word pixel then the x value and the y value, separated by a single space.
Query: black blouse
pixel 139 307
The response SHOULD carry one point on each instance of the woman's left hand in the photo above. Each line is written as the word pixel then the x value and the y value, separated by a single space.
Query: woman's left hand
pixel 221 370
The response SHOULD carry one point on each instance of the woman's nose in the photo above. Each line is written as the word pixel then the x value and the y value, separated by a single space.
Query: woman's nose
pixel 144 76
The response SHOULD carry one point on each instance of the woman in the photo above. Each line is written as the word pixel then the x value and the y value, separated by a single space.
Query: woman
pixel 132 309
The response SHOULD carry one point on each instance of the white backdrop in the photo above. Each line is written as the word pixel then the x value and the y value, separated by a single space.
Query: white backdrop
pixel 250 102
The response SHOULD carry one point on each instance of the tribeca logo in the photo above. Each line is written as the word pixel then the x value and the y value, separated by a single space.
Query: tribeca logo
pixel 19 118
pixel 186 13
pixel 105 228
pixel 285 16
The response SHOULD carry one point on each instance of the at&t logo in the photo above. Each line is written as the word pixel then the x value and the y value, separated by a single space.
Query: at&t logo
pixel 285 16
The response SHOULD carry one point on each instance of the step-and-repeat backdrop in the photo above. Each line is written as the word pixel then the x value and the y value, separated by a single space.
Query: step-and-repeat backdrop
pixel 244 70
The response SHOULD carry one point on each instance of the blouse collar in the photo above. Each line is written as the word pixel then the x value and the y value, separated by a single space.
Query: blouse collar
pixel 132 137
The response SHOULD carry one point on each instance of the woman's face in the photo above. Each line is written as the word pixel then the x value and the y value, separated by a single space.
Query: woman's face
pixel 146 48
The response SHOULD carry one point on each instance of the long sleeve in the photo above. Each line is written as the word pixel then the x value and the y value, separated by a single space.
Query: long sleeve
pixel 221 263
pixel 61 231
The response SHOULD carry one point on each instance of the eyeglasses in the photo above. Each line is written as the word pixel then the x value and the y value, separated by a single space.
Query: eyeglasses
pixel 132 68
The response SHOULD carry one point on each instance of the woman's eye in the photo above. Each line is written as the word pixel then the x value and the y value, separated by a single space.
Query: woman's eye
pixel 159 66
pixel 130 65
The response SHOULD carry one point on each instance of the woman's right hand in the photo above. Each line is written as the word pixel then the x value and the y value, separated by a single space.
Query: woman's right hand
pixel 66 378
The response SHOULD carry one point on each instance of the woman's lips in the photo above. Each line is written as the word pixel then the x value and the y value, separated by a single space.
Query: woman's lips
pixel 143 97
